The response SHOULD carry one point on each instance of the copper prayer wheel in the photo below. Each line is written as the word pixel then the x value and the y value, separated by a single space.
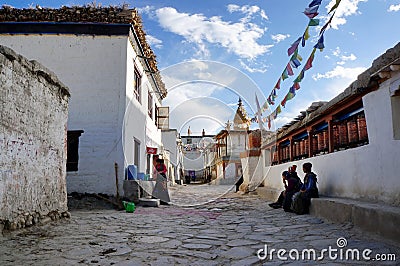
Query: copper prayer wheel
pixel 352 131
pixel 362 128
pixel 274 156
pixel 287 152
pixel 306 143
pixel 343 134
pixel 302 147
pixel 336 136
pixel 326 139
pixel 315 144
pixel 321 141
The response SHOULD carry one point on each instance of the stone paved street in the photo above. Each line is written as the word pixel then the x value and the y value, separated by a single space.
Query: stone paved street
pixel 227 231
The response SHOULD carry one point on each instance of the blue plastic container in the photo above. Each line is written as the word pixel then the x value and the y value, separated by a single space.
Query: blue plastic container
pixel 132 172
pixel 140 176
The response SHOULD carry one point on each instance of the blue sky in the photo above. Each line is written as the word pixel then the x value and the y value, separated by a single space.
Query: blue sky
pixel 252 38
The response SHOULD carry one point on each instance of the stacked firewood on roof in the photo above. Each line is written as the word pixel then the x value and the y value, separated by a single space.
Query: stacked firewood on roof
pixel 148 52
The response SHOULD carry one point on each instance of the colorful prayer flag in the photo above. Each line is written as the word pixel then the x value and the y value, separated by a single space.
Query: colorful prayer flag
pixel 315 3
pixel 313 22
pixel 310 60
pixel 295 59
pixel 278 84
pixel 311 12
pixel 300 76
pixel 294 46
pixel 283 102
pixel 270 101
pixel 306 36
pixel 288 97
pixel 278 109
pixel 273 95
pixel 320 45
pixel 296 85
pixel 289 69
pixel 312 9
pixel 285 74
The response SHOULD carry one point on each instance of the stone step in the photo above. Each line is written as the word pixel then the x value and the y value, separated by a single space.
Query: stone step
pixel 146 202
pixel 269 194
pixel 380 219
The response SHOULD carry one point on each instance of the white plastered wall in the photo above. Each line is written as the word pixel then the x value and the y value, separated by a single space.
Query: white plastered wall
pixel 98 72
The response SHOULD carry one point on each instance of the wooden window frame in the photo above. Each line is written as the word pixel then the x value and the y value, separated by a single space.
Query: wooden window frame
pixel 137 83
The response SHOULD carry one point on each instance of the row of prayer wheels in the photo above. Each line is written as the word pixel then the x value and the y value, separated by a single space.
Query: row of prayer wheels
pixel 345 133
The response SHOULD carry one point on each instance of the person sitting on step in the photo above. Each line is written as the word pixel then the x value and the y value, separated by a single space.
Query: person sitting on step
pixel 291 186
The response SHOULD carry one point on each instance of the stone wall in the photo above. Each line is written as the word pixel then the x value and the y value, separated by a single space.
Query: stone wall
pixel 34 112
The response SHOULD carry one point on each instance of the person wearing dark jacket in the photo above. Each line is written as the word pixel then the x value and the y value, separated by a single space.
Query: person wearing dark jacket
pixel 309 187
pixel 293 173
pixel 291 184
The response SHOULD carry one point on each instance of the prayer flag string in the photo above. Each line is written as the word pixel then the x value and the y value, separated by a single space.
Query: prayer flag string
pixel 295 62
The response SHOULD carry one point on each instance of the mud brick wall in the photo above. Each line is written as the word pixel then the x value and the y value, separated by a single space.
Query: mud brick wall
pixel 34 112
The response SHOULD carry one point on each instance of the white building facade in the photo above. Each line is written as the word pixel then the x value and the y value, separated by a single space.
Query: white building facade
pixel 193 160
pixel 115 88
pixel 172 152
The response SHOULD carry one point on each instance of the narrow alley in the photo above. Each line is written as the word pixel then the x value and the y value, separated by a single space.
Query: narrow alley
pixel 230 230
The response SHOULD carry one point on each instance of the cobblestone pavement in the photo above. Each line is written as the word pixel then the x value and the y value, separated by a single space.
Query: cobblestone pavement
pixel 227 231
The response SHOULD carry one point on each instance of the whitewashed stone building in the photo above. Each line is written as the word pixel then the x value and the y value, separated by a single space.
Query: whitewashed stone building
pixel 223 157
pixel 34 112
pixel 102 55
pixel 172 151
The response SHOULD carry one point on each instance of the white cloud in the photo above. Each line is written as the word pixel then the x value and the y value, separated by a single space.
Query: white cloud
pixel 394 8
pixel 346 8
pixel 279 37
pixel 351 57
pixel 146 9
pixel 206 89
pixel 338 53
pixel 200 113
pixel 255 68
pixel 249 11
pixel 341 72
pixel 153 41
pixel 239 38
